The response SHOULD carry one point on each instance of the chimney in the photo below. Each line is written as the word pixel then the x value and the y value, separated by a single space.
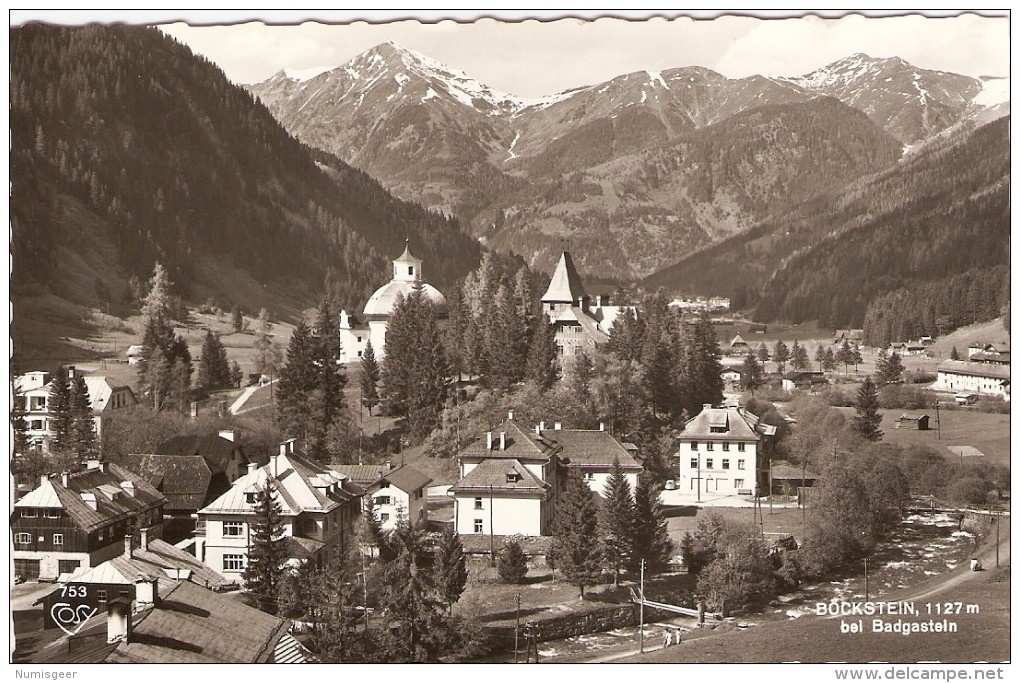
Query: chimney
pixel 274 462
pixel 194 409
pixel 541 426
pixel 227 434
pixel 146 592
pixel 502 441
pixel 290 445
pixel 44 478
pixel 118 619
pixel 128 542
pixel 488 441
pixel 706 406
pixel 144 541
pixel 283 448
pixel 598 301
pixel 389 465
pixel 510 415
pixel 64 478
pixel 558 426
pixel 71 372
pixel 602 426
pixel 94 464
pixel 538 431
pixel 129 487
pixel 252 466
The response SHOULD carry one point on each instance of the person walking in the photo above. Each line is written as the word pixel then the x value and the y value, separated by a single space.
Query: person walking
pixel 667 637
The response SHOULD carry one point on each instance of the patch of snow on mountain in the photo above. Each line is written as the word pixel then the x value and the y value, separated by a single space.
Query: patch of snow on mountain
pixel 993 91
pixel 310 99
pixel 510 151
pixel 644 96
pixel 429 94
pixel 654 76
pixel 302 75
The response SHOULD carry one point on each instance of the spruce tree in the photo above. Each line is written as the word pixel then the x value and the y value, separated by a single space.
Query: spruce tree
pixel 61 410
pixel 781 354
pixel 542 367
pixel 651 537
pixel 512 563
pixel 868 419
pixel 799 357
pixel 954 354
pixel 699 375
pixel 820 357
pixel 369 378
pixel 450 567
pixel 845 356
pixel 575 546
pixel 237 318
pixel 83 430
pixel 763 354
pixel 19 426
pixel 829 360
pixel 213 367
pixel 264 572
pixel 298 379
pixel 617 521
pixel 891 370
pixel 855 356
pixel 751 373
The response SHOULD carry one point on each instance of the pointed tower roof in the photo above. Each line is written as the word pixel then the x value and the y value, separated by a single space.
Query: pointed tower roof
pixel 565 286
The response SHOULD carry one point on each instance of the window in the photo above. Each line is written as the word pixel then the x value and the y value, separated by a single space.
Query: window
pixel 588 476
pixel 102 534
pixel 28 513
pixel 717 430
pixel 249 497
pixel 58 539
pixel 383 500
pixel 694 445
pixel 52 513
pixel 478 526
pixel 101 595
pixel 359 338
pixel 478 503
pixel 708 463
pixel 359 353
pixel 23 538
pixel 740 447
pixel 384 517
pixel 36 425
pixel 725 464
pixel 726 445
pixel 511 477
pixel 740 464
pixel 410 270
pixel 694 463
pixel 552 307
pixel 233 563
pixel 233 529
pixel 710 446
pixel 738 483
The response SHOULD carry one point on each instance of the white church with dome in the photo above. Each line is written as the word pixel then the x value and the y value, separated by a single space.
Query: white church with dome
pixel 354 336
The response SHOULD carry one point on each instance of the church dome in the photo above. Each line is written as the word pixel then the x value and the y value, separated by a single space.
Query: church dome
pixel 381 303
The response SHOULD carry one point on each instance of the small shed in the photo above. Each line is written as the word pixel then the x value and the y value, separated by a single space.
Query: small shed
pixel 911 421
pixel 134 354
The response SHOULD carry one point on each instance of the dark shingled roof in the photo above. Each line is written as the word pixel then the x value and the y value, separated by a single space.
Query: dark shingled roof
pixel 520 445
pixel 962 367
pixel 214 449
pixel 592 448
pixel 492 473
pixel 186 480
pixel 406 478
pixel 362 475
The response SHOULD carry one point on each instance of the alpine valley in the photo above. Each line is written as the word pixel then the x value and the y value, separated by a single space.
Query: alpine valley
pixel 651 168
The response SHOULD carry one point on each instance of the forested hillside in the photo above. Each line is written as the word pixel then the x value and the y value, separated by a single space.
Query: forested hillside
pixel 942 211
pixel 128 149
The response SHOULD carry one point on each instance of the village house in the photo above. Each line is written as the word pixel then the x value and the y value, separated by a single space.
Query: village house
pixel 33 388
pixel 319 507
pixel 737 346
pixel 568 307
pixel 592 452
pixel 718 452
pixel 851 335
pixel 911 348
pixel 79 519
pixel 732 377
pixel 988 350
pixel 391 492
pixel 804 380
pixel 179 623
pixel 191 471
pixel 968 377
pixel 356 333
pixel 912 421
pixel 508 483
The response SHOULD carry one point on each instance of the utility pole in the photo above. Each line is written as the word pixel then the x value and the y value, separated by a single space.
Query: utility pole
pixel 997 516
pixel 803 492
pixel 517 629
pixel 866 579
pixel 641 592
pixel 492 538
pixel 699 477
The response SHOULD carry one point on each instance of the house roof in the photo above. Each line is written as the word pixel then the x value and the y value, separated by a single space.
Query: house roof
pixel 491 475
pixel 384 300
pixel 520 445
pixel 1002 357
pixel 194 625
pixel 962 367
pixel 215 450
pixel 565 286
pixel 184 479
pixel 300 548
pixel 361 474
pixel 738 341
pixel 592 448
pixel 406 478
pixel 102 388
pixel 913 417
pixel 300 484
pixel 113 502
pixel 739 425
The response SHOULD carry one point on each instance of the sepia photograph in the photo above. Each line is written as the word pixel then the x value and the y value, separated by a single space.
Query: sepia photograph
pixel 475 337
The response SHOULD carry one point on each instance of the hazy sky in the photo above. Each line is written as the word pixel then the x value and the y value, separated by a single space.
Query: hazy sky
pixel 532 58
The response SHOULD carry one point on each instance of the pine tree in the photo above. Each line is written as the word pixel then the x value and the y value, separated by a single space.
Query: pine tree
pixel 450 566
pixel 868 419
pixel 19 426
pixel 298 379
pixel 617 520
pixel 829 361
pixel 164 367
pixel 580 383
pixel 799 357
pixel 61 410
pixel 236 375
pixel 954 354
pixel 237 318
pixel 83 430
pixel 845 356
pixel 542 368
pixel 855 356
pixel 512 563
pixel 575 545
pixel 781 354
pixel 264 572
pixel 751 373
pixel 891 371
pixel 820 357
pixel 763 354
pixel 213 366
pixel 369 378
pixel 700 368
pixel 651 538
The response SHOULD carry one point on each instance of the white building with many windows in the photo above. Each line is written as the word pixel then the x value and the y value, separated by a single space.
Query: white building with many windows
pixel 718 453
